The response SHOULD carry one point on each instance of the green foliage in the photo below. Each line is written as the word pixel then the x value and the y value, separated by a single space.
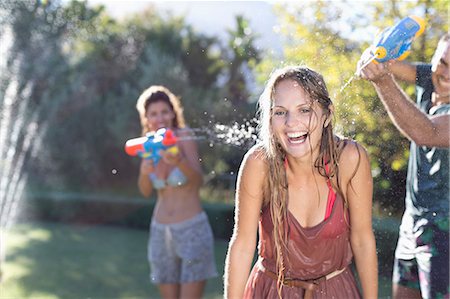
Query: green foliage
pixel 97 209
pixel 314 35
pixel 74 75
pixel 243 54
pixel 33 79
pixel 201 58
pixel 81 72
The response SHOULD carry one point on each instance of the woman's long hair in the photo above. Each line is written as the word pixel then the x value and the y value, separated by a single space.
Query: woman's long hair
pixel 276 193
pixel 158 93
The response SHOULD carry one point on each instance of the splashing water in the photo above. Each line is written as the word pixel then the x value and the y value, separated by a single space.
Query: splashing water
pixel 20 134
pixel 347 83
pixel 245 135
pixel 237 134
pixel 240 135
pixel 358 71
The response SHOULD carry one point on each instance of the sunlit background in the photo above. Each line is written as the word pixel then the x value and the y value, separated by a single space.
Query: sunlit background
pixel 73 224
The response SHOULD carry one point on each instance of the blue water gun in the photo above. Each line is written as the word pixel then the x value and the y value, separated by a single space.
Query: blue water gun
pixel 148 147
pixel 395 42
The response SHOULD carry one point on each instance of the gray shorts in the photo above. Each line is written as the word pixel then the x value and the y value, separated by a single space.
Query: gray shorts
pixel 181 252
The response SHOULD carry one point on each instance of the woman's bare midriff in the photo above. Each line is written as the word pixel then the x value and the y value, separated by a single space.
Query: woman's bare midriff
pixel 176 204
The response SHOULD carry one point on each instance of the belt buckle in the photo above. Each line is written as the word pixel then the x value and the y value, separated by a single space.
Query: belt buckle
pixel 315 281
pixel 287 281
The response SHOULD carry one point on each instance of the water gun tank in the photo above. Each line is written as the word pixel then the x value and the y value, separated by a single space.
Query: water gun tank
pixel 395 42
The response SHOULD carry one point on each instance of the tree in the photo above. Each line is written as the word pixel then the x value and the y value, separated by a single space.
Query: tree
pixel 33 77
pixel 82 75
pixel 243 56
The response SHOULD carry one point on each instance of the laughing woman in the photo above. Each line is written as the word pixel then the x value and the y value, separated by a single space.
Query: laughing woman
pixel 310 192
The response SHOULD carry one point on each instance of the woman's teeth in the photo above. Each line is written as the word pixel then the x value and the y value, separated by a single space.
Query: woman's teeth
pixel 297 137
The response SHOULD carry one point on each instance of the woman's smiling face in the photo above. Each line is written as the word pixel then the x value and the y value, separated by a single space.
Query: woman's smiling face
pixel 159 115
pixel 297 120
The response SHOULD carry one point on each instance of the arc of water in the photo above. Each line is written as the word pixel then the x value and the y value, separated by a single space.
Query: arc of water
pixel 357 73
pixel 15 155
pixel 17 181
pixel 235 134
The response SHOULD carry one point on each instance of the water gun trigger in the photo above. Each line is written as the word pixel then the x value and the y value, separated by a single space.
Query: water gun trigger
pixel 173 150
pixel 144 155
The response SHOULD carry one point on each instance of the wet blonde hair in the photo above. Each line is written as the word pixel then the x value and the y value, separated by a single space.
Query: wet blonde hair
pixel 276 191
pixel 154 94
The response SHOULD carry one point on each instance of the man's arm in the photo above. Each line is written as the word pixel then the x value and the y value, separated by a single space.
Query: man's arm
pixel 430 131
pixel 403 71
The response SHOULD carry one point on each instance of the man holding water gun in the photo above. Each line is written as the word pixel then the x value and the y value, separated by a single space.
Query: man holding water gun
pixel 421 267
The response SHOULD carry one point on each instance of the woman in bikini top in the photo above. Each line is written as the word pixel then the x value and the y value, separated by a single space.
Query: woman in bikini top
pixel 177 179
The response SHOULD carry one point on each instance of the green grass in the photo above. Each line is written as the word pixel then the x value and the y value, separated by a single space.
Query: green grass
pixel 52 260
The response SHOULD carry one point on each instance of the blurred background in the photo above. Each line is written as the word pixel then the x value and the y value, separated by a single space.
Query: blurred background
pixel 73 224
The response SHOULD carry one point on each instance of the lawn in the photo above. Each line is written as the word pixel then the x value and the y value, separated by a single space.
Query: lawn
pixel 52 260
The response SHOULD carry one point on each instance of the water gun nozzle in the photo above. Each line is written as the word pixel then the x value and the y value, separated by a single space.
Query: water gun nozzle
pixel 380 52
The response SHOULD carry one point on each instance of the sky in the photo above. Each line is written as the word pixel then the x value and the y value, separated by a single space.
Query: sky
pixel 210 17
pixel 215 17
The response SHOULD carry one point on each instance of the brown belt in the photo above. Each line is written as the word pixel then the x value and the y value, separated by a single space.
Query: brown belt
pixel 308 285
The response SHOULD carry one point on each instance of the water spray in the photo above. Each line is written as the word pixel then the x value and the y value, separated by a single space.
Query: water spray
pixel 149 146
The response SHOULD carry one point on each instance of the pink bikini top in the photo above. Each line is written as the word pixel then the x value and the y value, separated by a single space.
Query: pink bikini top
pixel 331 194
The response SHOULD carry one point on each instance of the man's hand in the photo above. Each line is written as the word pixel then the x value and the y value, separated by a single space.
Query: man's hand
pixel 373 71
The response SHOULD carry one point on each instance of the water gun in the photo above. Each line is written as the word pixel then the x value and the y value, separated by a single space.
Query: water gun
pixel 149 146
pixel 395 42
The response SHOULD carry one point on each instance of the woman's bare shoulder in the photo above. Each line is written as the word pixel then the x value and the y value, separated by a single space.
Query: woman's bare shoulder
pixel 256 154
pixel 254 164
pixel 352 155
